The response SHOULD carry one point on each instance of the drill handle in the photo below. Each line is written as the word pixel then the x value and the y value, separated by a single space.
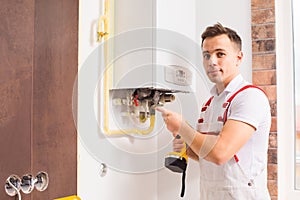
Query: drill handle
pixel 182 153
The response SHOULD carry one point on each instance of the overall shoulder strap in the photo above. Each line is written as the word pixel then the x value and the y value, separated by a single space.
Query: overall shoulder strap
pixel 227 103
pixel 242 89
pixel 209 101
pixel 207 104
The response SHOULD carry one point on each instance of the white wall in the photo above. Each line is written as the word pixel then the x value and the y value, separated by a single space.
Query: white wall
pixel 234 14
pixel 88 167
pixel 184 17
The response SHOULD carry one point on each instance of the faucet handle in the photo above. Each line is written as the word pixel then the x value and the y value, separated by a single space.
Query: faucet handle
pixel 41 181
pixel 12 185
pixel 27 183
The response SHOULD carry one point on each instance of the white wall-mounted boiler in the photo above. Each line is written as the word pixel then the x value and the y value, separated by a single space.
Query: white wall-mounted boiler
pixel 144 66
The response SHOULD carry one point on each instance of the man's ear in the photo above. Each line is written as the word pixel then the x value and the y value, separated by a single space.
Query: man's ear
pixel 239 56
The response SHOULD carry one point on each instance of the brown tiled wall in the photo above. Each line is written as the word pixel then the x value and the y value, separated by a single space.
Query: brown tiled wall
pixel 264 74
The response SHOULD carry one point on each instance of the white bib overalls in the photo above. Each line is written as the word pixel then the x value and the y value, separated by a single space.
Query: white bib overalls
pixel 226 181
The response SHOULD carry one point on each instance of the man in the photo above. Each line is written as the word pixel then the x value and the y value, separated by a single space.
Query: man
pixel 231 139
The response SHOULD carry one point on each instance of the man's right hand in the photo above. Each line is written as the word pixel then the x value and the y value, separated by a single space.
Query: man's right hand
pixel 178 144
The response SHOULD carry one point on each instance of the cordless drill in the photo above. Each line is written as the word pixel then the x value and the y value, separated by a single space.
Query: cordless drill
pixel 177 162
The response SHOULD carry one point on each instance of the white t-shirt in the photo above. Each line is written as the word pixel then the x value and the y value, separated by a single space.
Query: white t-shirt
pixel 252 107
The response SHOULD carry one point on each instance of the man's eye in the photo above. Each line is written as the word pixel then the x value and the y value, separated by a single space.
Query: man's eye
pixel 220 54
pixel 206 56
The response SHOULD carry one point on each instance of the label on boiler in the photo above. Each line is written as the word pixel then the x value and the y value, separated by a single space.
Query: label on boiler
pixel 178 75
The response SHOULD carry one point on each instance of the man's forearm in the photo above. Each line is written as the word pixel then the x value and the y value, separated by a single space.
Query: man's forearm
pixel 201 144
pixel 191 154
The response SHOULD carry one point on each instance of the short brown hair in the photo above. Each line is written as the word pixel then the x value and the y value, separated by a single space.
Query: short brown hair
pixel 219 29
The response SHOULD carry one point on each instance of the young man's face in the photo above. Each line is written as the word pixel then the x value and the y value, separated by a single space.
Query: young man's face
pixel 221 59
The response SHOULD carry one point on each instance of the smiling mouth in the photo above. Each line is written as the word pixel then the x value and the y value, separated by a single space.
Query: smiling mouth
pixel 215 71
